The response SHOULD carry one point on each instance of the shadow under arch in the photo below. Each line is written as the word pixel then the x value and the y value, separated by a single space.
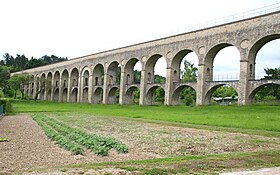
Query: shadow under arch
pixel 97 97
pixel 74 95
pixel 112 95
pixel 129 95
pixel 98 74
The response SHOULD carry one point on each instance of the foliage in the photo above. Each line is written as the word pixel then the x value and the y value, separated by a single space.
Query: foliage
pixel 4 139
pixel 4 75
pixel 159 95
pixel 16 83
pixel 75 140
pixel 225 91
pixel 188 96
pixel 6 104
pixel 189 74
pixel 21 62
pixel 270 92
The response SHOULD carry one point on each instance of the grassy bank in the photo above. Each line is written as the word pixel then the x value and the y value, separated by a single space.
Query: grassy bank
pixel 259 117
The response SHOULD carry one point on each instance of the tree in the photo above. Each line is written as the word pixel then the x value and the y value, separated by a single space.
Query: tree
pixel 189 74
pixel 16 83
pixel 4 76
pixel 270 92
pixel 225 91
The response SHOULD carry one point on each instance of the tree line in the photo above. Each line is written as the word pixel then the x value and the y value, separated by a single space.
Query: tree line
pixel 21 62
pixel 9 64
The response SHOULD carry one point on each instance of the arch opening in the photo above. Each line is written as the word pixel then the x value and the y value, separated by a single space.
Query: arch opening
pixel 56 95
pixel 222 94
pixel 98 96
pixel 113 95
pixel 155 96
pixel 132 96
pixel 74 78
pixel 266 94
pixel 184 95
pixel 98 75
pixel 184 67
pixel 74 95
pixel 267 57
pixel 64 95
pixel 132 72
pixel 222 63
pixel 156 69
pixel 114 74
pixel 49 86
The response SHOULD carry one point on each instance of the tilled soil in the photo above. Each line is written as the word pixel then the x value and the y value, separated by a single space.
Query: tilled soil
pixel 29 146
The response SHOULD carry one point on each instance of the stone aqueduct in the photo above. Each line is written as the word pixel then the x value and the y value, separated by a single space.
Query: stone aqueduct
pixel 92 78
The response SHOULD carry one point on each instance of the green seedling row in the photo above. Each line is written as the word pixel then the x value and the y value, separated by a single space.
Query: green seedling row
pixel 58 138
pixel 97 144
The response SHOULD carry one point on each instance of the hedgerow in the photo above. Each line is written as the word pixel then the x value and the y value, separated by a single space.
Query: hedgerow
pixel 98 144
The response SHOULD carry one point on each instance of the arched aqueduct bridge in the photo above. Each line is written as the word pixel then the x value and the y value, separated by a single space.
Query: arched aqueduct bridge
pixel 92 78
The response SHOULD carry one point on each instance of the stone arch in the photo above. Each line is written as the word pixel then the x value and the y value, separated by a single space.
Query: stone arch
pixel 64 78
pixel 56 95
pixel 256 47
pixel 74 95
pixel 176 62
pixel 98 75
pixel 74 78
pixel 85 95
pixel 129 72
pixel 209 59
pixel 64 95
pixel 112 72
pixel 150 96
pixel 85 84
pixel 150 68
pixel 49 86
pixel 42 86
pixel 254 91
pixel 98 95
pixel 129 95
pixel 177 92
pixel 56 79
pixel 213 88
pixel 112 95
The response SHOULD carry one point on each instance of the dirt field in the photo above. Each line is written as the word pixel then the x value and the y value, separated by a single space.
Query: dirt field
pixel 29 146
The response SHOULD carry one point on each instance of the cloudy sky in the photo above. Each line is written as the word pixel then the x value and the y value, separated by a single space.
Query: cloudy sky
pixel 72 28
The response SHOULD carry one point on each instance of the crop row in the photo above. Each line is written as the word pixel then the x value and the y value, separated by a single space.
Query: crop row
pixel 79 138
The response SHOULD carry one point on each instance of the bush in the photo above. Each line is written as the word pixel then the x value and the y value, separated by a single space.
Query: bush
pixel 7 105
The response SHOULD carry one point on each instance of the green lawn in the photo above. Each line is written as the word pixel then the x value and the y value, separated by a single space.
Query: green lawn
pixel 256 117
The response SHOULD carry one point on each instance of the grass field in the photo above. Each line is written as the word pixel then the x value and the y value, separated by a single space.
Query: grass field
pixel 257 117
pixel 262 123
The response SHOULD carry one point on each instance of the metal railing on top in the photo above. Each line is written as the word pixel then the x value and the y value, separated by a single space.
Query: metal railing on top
pixel 227 19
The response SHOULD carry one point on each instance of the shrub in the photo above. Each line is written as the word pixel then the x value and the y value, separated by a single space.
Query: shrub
pixel 7 105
